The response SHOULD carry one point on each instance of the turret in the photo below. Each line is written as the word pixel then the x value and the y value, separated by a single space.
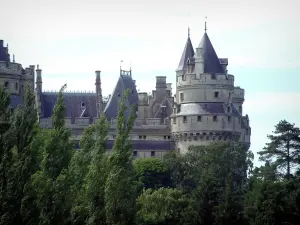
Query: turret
pixel 98 93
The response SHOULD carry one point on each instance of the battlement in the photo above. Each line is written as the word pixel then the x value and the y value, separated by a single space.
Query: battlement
pixel 213 123
pixel 11 68
pixel 205 79
pixel 83 122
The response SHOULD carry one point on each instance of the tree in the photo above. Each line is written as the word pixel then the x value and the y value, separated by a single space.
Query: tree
pixel 6 144
pixel 51 182
pixel 97 175
pixel 284 147
pixel 78 170
pixel 120 187
pixel 161 206
pixel 24 128
pixel 152 173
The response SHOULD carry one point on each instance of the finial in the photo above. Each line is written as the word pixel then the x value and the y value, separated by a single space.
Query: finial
pixel 130 65
pixel 37 66
pixel 205 29
pixel 14 58
pixel 189 31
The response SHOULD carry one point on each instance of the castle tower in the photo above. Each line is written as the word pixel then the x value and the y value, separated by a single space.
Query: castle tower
pixel 98 93
pixel 208 105
pixel 38 91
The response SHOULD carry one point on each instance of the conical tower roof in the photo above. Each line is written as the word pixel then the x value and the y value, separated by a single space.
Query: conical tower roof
pixel 211 61
pixel 188 52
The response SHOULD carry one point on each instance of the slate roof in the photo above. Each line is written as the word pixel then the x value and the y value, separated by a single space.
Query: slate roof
pixel 15 101
pixel 211 61
pixel 188 52
pixel 4 56
pixel 124 83
pixel 205 108
pixel 143 145
pixel 72 102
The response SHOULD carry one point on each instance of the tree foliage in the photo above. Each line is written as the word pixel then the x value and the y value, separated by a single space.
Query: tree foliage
pixel 44 181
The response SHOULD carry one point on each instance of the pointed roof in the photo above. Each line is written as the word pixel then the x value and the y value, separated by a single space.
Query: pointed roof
pixel 125 82
pixel 211 61
pixel 188 52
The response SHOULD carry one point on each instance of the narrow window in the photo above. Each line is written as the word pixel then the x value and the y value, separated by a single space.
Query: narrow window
pixel 214 118
pixel 229 118
pixel 228 109
pixel 229 95
pixel 135 153
pixel 184 119
pixel 6 84
pixel 152 153
pixel 216 94
pixel 165 137
pixel 169 137
pixel 140 137
pixel 17 86
pixel 199 118
pixel 240 109
pixel 181 97
pixel 174 120
pixel 182 78
pixel 247 132
pixel 144 137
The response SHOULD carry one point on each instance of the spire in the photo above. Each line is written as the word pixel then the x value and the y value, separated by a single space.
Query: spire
pixel 211 61
pixel 205 29
pixel 188 52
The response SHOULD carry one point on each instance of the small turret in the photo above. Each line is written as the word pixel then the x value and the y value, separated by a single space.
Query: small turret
pixel 39 82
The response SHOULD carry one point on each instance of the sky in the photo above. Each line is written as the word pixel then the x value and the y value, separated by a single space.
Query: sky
pixel 70 39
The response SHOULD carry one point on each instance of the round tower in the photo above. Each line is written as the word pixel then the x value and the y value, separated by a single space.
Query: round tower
pixel 208 106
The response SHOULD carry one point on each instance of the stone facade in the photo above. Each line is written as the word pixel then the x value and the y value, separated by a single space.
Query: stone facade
pixel 206 107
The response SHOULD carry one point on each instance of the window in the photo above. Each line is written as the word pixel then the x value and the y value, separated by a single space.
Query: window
pixel 199 118
pixel 247 132
pixel 214 118
pixel 174 120
pixel 229 118
pixel 169 137
pixel 240 109
pixel 114 136
pixel 144 137
pixel 17 86
pixel 181 97
pixel 228 109
pixel 140 137
pixel 6 84
pixel 229 95
pixel 184 119
pixel 152 153
pixel 216 94
pixel 165 137
pixel 182 78
pixel 134 153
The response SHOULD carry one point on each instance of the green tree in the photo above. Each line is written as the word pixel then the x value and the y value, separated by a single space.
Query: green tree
pixel 162 206
pixel 120 187
pixel 78 170
pixel 152 173
pixel 97 175
pixel 6 144
pixel 51 182
pixel 284 147
pixel 24 127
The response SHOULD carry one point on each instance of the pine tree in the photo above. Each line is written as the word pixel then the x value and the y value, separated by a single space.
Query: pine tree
pixel 284 148
pixel 120 188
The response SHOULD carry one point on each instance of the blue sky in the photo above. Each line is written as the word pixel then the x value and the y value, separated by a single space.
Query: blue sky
pixel 71 39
